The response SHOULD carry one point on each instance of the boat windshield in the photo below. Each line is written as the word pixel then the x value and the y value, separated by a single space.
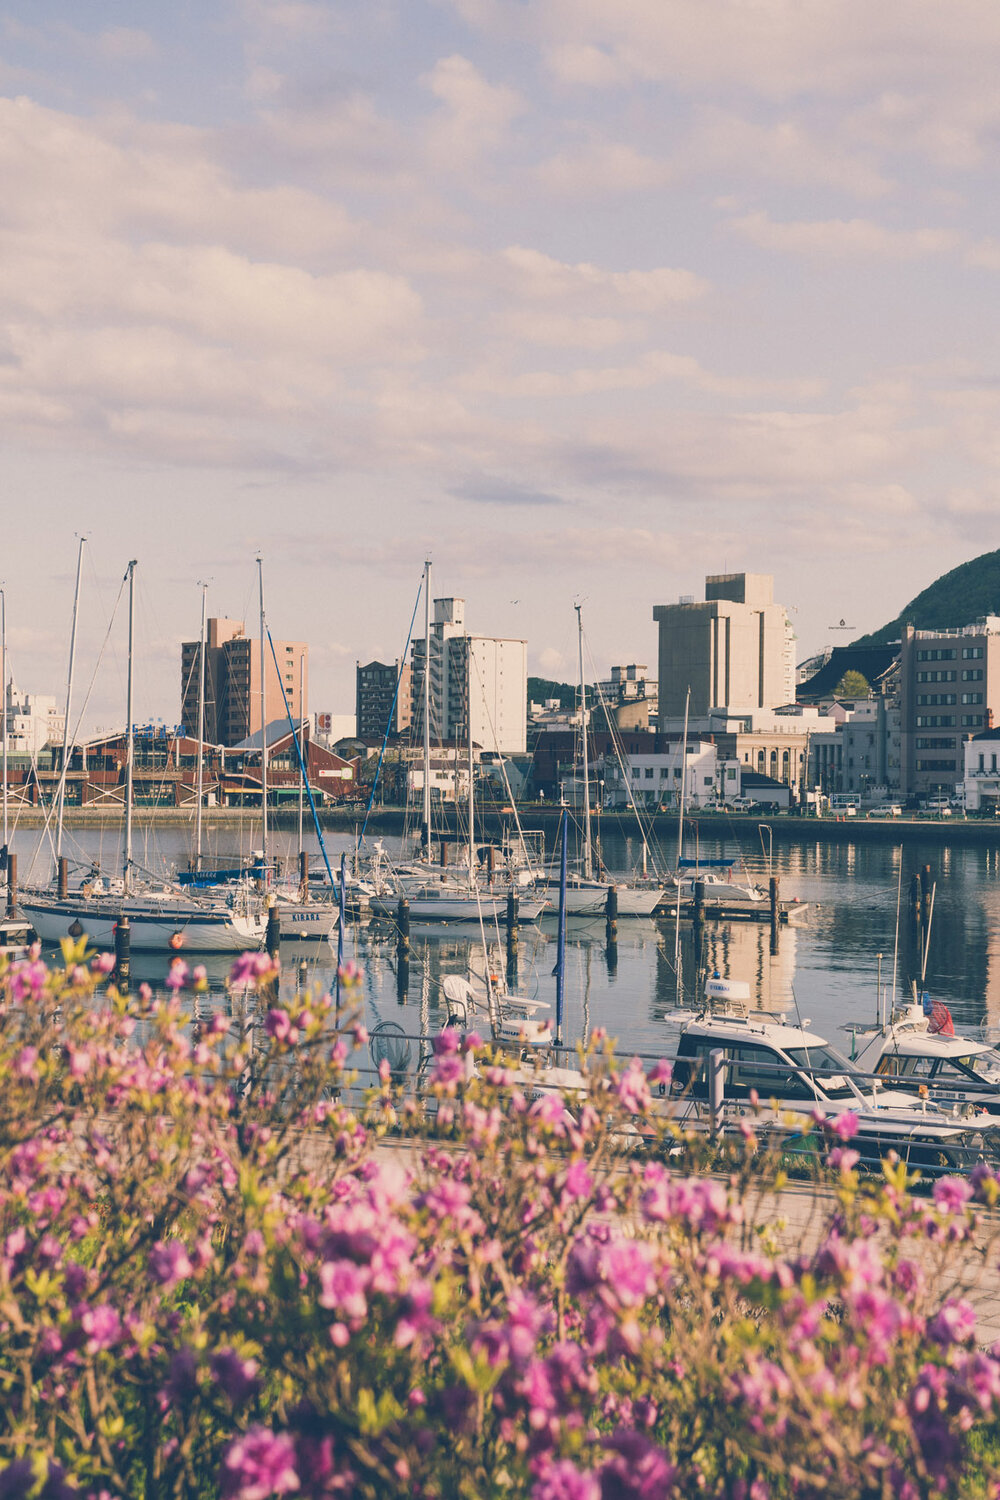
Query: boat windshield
pixel 829 1068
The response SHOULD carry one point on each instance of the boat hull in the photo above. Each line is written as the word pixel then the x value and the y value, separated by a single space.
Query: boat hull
pixel 592 901
pixel 184 930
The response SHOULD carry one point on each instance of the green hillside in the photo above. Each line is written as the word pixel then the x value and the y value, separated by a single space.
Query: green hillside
pixel 955 599
pixel 541 689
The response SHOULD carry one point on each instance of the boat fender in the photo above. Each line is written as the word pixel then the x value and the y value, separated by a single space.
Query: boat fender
pixel 176 940
pixel 75 928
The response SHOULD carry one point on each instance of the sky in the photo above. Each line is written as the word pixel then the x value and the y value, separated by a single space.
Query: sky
pixel 582 299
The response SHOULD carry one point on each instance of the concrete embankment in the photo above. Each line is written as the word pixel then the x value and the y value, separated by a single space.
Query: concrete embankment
pixel 946 832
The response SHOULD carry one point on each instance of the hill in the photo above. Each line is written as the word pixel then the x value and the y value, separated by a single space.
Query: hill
pixel 540 690
pixel 955 599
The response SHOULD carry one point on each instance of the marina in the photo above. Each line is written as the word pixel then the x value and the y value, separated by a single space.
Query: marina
pixel 826 963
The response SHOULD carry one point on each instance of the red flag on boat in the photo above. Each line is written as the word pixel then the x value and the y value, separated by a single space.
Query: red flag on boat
pixel 940 1023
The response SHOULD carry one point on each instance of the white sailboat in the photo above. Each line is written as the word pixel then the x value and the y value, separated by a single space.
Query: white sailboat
pixel 585 895
pixel 161 920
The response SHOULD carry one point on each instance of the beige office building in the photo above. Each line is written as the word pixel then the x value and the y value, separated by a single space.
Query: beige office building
pixel 734 649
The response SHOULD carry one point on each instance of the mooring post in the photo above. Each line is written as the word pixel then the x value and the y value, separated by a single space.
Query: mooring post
pixel 123 954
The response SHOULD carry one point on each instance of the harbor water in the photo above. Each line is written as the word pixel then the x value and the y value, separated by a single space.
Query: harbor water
pixel 825 968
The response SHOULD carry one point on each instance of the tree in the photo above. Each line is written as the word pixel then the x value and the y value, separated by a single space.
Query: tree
pixel 853 685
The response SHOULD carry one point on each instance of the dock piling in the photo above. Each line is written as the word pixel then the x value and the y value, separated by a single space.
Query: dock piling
pixel 123 954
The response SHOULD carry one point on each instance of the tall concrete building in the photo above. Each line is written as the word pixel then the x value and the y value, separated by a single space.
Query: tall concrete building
pixel 380 707
pixel 477 677
pixel 232 682
pixel 734 649
pixel 949 688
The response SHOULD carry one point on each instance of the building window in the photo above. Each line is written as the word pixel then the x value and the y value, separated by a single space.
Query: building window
pixel 935 721
pixel 936 765
pixel 649 773
pixel 972 653
pixel 972 674
pixel 972 721
pixel 933 744
pixel 972 697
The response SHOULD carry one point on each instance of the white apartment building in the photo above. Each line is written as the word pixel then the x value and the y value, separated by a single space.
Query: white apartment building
pixel 981 783
pixel 32 722
pixel 478 684
pixel 657 779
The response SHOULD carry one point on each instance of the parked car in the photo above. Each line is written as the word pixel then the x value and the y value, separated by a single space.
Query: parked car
pixel 887 810
pixel 744 805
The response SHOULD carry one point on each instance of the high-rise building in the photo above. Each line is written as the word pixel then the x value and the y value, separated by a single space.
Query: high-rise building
pixel 477 683
pixel 734 649
pixel 949 689
pixel 232 682
pixel 380 708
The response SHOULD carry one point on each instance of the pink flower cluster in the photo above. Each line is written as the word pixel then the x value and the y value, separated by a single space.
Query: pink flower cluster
pixel 215 1285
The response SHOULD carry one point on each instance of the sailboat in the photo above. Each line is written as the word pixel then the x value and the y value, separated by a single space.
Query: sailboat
pixel 160 920
pixel 432 896
pixel 585 895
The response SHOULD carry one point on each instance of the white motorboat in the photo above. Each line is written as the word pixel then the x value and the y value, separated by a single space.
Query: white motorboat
pixel 918 1045
pixel 589 897
pixel 718 890
pixel 793 1071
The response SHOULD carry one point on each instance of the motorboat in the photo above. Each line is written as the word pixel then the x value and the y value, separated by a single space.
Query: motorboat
pixel 777 1070
pixel 587 897
pixel 918 1046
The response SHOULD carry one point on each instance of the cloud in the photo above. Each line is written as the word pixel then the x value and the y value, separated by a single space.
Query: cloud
pixel 599 169
pixel 489 490
pixel 843 238
pixel 474 116
pixel 124 44
pixel 542 278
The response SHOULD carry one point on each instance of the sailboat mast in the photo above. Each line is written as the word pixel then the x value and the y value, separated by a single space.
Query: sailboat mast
pixel 587 855
pixel 427 711
pixel 201 730
pixel 130 734
pixel 263 726
pixel 302 741
pixel 472 786
pixel 680 849
pixel 69 701
pixel 3 678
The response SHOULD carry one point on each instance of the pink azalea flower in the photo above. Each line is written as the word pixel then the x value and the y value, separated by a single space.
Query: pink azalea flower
pixel 259 1465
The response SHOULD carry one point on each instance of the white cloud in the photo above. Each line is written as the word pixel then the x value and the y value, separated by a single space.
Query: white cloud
pixel 843 238
pixel 541 278
pixel 475 115
pixel 601 169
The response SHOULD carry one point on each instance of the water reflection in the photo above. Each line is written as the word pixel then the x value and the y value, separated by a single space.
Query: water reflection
pixel 827 967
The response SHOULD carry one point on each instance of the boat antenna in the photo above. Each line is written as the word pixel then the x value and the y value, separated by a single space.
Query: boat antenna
pixel 895 950
pixel 927 935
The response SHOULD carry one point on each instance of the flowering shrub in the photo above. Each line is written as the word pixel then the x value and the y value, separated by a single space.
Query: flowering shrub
pixel 216 1278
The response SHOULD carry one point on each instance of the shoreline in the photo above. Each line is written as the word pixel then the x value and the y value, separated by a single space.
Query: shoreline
pixel 940 831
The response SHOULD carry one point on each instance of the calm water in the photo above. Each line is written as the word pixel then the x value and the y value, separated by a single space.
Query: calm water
pixel 827 968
